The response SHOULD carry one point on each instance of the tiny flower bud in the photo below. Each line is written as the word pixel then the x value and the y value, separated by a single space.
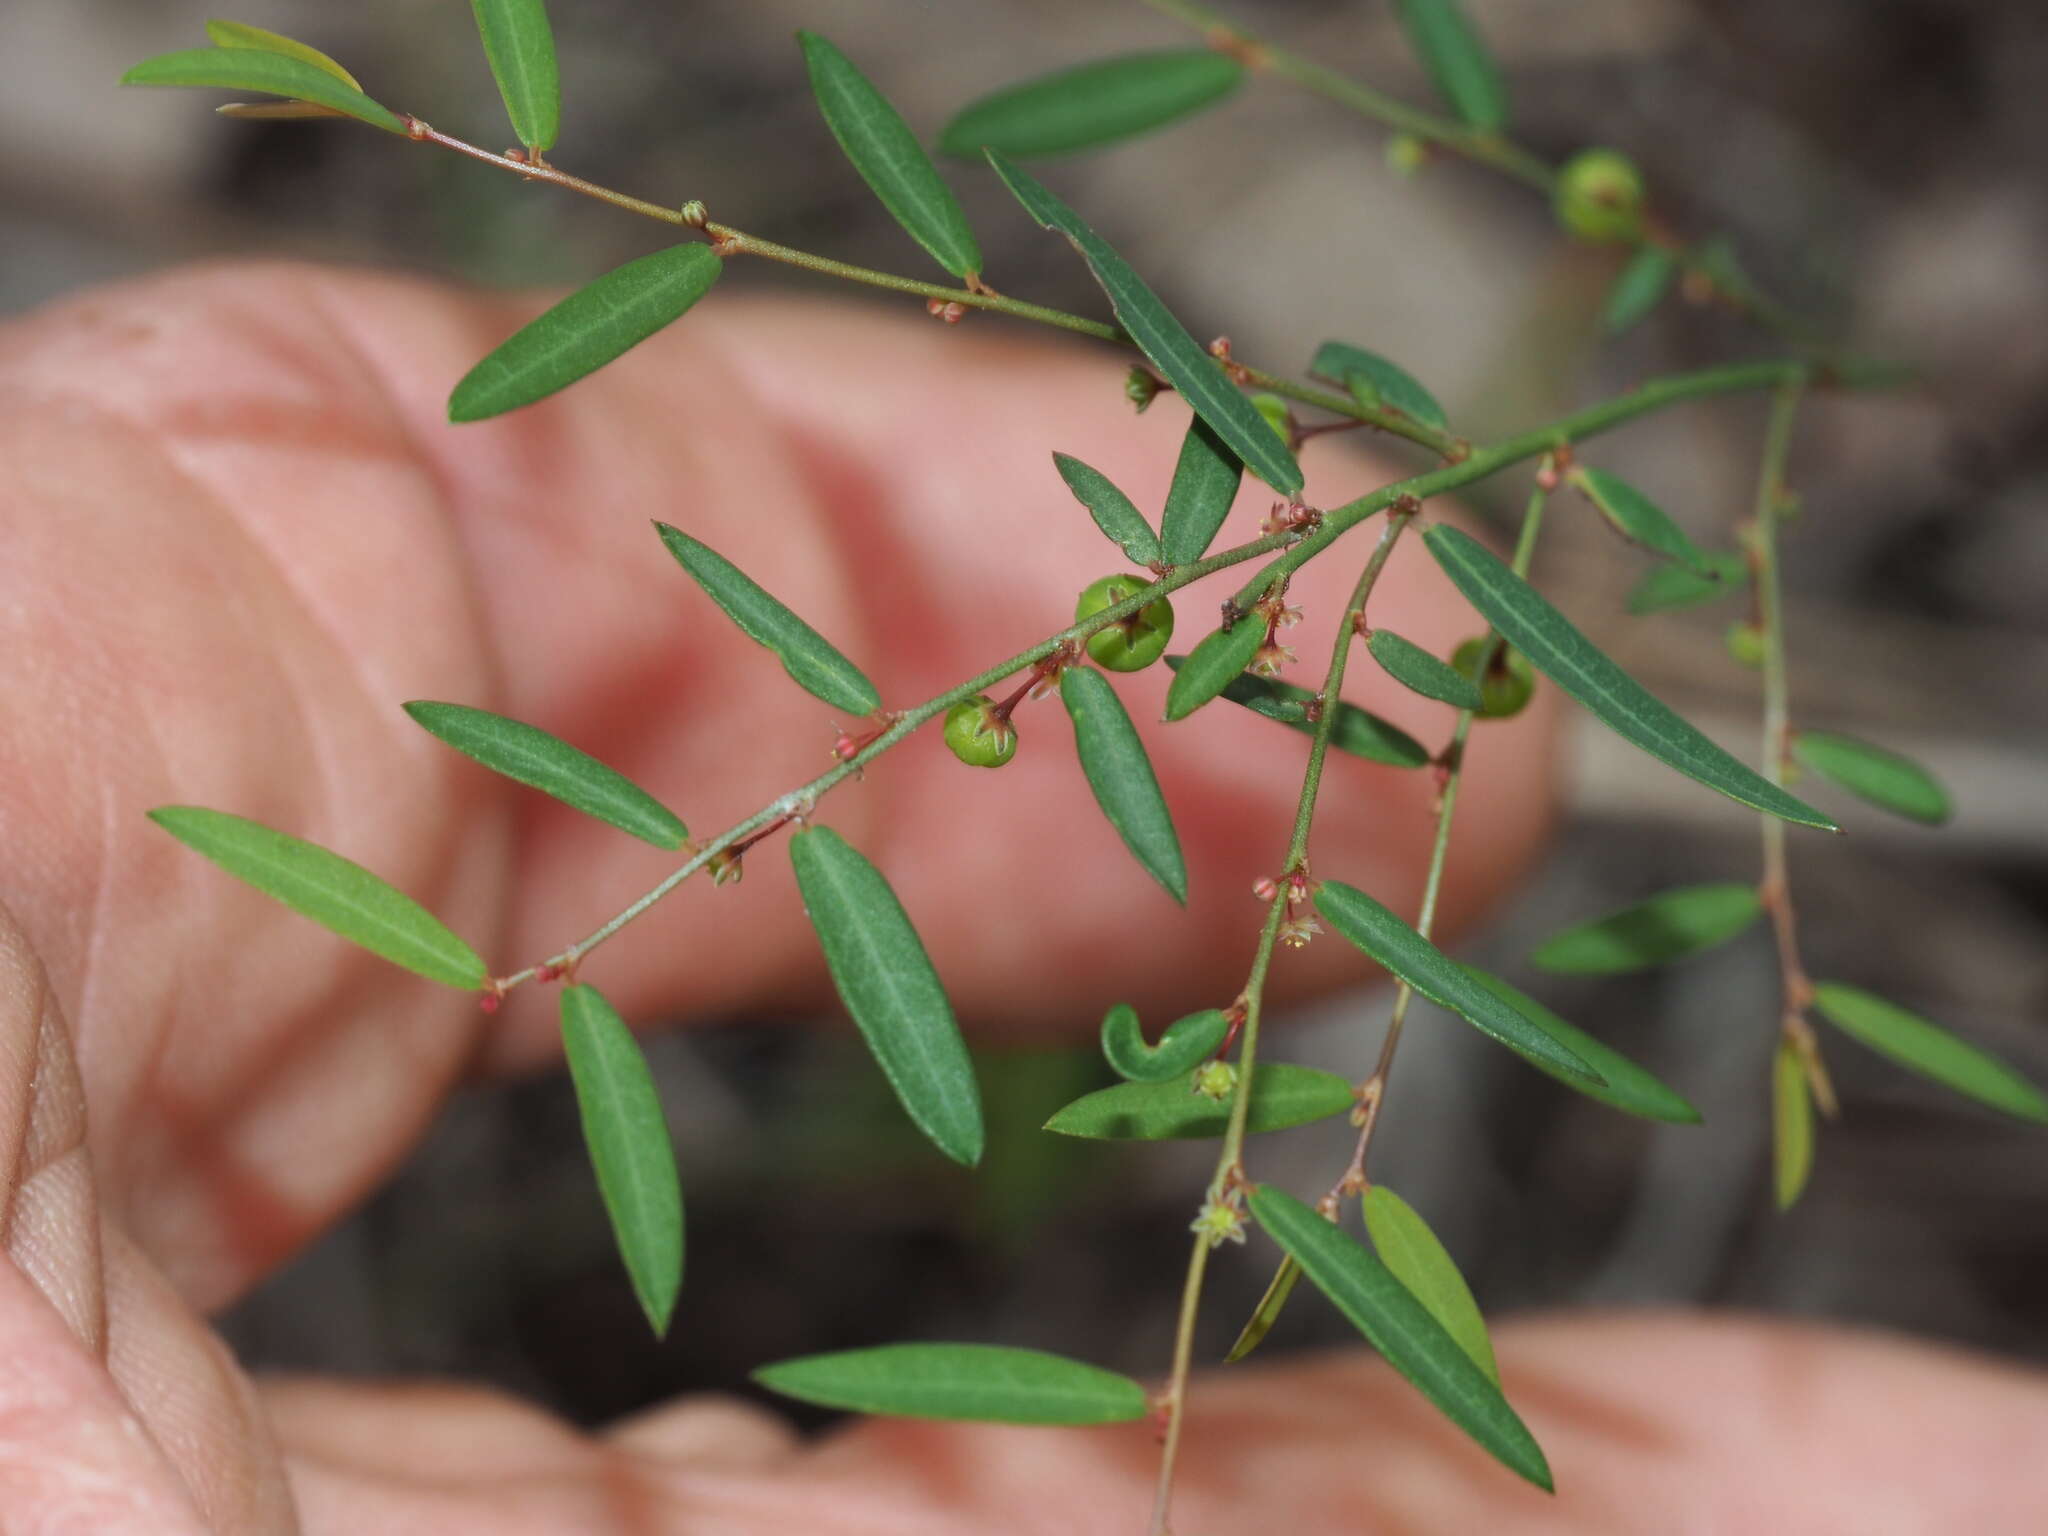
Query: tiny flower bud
pixel 1140 388
pixel 1265 888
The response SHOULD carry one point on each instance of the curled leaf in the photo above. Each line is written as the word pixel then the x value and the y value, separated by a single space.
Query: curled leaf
pixel 1185 1043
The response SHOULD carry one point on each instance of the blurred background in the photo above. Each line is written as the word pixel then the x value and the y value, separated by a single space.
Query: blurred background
pixel 1879 166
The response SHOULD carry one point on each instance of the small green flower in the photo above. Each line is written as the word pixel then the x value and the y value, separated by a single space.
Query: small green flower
pixel 1216 1081
pixel 1219 1223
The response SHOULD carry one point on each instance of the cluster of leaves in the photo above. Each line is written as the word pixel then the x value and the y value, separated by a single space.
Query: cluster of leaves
pixel 1404 1292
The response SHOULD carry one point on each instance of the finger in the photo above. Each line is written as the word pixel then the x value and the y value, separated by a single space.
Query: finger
pixel 240 534
pixel 1650 1422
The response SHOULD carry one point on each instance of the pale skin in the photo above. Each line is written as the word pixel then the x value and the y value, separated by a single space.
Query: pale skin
pixel 238 535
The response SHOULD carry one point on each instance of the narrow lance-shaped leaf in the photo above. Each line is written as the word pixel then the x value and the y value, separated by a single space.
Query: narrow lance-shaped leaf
pixel 1112 510
pixel 630 1151
pixel 1163 339
pixel 982 1382
pixel 1283 1097
pixel 1185 1042
pixel 1557 649
pixel 1093 104
pixel 1887 780
pixel 806 656
pixel 1419 1260
pixel 235 34
pixel 1644 281
pixel 1639 519
pixel 521 48
pixel 1666 927
pixel 335 892
pixel 1267 1312
pixel 1415 669
pixel 552 766
pixel 1791 1126
pixel 1627 1087
pixel 887 983
pixel 1121 776
pixel 267 72
pixel 595 324
pixel 889 158
pixel 1375 928
pixel 1216 661
pixel 1378 382
pixel 1929 1050
pixel 1205 481
pixel 1401 1328
pixel 1457 61
pixel 1358 732
pixel 1666 587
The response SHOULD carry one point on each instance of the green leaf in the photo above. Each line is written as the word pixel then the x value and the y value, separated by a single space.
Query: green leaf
pixel 1282 1097
pixel 1205 481
pixel 1667 587
pixel 1212 666
pixel 1185 1043
pixel 1378 382
pixel 627 1135
pixel 1267 1312
pixel 553 767
pixel 887 983
pixel 1887 780
pixel 889 158
pixel 1668 926
pixel 1401 1328
pixel 335 892
pixel 595 324
pixel 1121 775
pixel 1093 104
pixel 1356 731
pixel 984 1382
pixel 1163 339
pixel 1112 510
pixel 1644 281
pixel 1415 669
pixel 236 34
pixel 1791 1126
pixel 521 48
pixel 1637 518
pixel 271 73
pixel 1375 928
pixel 1628 1087
pixel 1556 649
pixel 806 656
pixel 1457 61
pixel 1930 1050
pixel 1420 1261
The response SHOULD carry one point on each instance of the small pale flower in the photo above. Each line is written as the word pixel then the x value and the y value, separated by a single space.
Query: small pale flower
pixel 1219 1223
pixel 1271 657
pixel 1297 931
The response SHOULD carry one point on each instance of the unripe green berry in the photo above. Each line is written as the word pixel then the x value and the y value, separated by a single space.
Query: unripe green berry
pixel 1508 684
pixel 1134 643
pixel 1140 388
pixel 1745 643
pixel 976 736
pixel 1599 196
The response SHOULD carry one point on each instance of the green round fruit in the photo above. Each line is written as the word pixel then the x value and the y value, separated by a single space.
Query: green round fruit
pixel 1599 196
pixel 976 736
pixel 1745 643
pixel 1138 641
pixel 1508 684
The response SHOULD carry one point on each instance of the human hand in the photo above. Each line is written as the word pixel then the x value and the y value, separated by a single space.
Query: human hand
pixel 239 533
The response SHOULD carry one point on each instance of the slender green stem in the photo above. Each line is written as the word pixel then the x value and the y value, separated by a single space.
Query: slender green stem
pixel 1776 886
pixel 1373 1092
pixel 1487 148
pixel 1229 1163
